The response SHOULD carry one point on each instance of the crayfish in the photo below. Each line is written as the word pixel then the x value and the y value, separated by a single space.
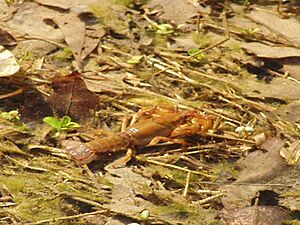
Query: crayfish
pixel 153 126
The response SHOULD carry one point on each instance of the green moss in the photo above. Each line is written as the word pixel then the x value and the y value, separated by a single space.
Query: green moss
pixel 202 40
pixel 108 17
pixel 124 2
pixel 35 209
pixel 225 167
pixel 187 213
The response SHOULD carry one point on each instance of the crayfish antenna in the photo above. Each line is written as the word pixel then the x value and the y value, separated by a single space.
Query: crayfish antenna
pixel 78 151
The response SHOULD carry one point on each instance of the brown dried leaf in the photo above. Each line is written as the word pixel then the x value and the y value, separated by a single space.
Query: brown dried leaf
pixel 259 165
pixel 6 38
pixel 74 31
pixel 292 153
pixel 71 97
pixel 262 50
pixel 63 4
pixel 258 215
pixel 178 11
pixel 289 112
pixel 280 88
pixel 30 19
pixel 289 29
pixel 127 186
pixel 256 167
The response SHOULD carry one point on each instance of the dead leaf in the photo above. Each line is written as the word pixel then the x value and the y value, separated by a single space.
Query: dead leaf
pixel 239 195
pixel 289 29
pixel 6 38
pixel 127 185
pixel 108 82
pixel 280 88
pixel 178 11
pixel 92 38
pixel 258 215
pixel 63 4
pixel 292 153
pixel 289 112
pixel 29 20
pixel 265 51
pixel 8 63
pixel 71 97
pixel 260 165
pixel 74 31
pixel 255 168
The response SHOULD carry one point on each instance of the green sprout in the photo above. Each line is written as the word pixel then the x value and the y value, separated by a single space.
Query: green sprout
pixel 63 124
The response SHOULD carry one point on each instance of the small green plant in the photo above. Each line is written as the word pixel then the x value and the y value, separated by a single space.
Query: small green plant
pixel 12 116
pixel 62 124
pixel 197 54
pixel 64 55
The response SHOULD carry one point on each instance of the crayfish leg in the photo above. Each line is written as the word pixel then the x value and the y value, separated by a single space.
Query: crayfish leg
pixel 159 139
pixel 78 151
pixel 125 159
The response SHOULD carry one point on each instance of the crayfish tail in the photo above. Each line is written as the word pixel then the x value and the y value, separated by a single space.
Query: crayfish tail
pixel 78 151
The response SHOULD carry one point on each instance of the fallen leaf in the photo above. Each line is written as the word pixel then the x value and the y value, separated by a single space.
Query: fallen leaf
pixel 6 38
pixel 289 112
pixel 29 20
pixel 74 31
pixel 280 88
pixel 8 63
pixel 63 4
pixel 127 186
pixel 260 165
pixel 178 11
pixel 72 98
pixel 256 167
pixel 289 28
pixel 258 215
pixel 92 39
pixel 108 82
pixel 266 51
pixel 292 153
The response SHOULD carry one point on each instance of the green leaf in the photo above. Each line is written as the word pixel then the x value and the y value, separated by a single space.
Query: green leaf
pixel 53 122
pixel 70 126
pixel 65 121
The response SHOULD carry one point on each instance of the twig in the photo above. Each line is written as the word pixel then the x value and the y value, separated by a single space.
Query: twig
pixel 187 184
pixel 67 217
pixel 177 167
pixel 208 199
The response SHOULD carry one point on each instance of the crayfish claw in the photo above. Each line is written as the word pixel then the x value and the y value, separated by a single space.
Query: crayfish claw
pixel 78 151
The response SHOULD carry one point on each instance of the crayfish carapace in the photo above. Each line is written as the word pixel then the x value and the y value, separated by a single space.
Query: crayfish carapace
pixel 153 126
